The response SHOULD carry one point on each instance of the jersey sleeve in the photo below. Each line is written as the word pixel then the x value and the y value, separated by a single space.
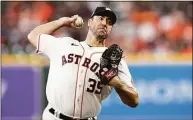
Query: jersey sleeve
pixel 105 92
pixel 125 75
pixel 48 44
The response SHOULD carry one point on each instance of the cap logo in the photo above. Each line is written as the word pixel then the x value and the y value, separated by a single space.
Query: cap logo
pixel 107 8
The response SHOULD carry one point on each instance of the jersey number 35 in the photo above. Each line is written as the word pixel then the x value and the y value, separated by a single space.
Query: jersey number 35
pixel 94 86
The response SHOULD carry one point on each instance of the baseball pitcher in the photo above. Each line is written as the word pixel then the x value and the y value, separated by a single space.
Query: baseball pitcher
pixel 82 74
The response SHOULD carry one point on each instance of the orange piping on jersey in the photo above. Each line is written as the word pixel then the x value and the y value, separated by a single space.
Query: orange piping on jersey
pixel 84 83
pixel 77 80
pixel 38 47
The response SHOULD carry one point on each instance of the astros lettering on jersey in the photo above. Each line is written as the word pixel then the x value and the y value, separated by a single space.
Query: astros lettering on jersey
pixel 73 87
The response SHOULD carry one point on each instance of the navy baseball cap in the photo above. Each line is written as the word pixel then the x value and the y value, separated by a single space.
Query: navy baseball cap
pixel 105 11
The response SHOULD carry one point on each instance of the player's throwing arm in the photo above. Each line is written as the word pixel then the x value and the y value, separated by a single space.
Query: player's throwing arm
pixel 48 28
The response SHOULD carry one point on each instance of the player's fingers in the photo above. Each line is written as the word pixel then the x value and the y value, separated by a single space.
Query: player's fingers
pixel 82 21
pixel 74 17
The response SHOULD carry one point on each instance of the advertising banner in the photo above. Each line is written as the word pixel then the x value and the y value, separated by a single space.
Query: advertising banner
pixel 20 98
pixel 165 92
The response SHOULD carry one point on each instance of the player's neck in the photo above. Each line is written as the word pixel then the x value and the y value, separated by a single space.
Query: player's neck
pixel 95 43
pixel 92 41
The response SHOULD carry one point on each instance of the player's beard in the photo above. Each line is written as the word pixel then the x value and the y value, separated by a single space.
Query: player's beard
pixel 100 35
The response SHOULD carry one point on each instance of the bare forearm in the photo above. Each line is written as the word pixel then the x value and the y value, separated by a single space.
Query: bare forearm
pixel 46 28
pixel 127 94
pixel 52 26
pixel 49 27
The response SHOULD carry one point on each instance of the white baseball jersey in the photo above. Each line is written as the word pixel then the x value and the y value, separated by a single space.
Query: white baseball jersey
pixel 73 87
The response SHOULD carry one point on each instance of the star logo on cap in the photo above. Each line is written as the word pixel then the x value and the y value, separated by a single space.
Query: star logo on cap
pixel 107 8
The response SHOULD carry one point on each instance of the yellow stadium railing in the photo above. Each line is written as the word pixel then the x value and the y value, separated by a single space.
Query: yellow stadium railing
pixel 39 60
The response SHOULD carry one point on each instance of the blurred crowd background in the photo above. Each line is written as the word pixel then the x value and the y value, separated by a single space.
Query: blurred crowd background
pixel 142 27
pixel 156 38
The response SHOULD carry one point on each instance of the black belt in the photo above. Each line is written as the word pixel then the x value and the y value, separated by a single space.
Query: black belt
pixel 64 117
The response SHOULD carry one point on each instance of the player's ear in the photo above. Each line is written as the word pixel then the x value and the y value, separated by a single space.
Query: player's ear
pixel 89 22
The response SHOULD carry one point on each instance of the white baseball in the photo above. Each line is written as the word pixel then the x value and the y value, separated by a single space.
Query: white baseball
pixel 79 22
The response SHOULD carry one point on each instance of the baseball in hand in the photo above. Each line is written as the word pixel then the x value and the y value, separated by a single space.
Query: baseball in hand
pixel 79 22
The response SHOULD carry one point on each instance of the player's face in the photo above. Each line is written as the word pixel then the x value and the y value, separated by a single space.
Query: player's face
pixel 100 26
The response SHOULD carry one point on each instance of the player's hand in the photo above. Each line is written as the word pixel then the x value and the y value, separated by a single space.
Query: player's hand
pixel 74 21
